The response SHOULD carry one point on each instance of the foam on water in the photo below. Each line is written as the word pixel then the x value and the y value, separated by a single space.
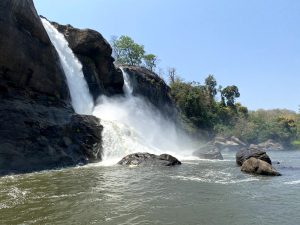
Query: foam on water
pixel 293 182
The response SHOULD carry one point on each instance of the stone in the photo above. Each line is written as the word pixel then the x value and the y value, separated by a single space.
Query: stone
pixel 147 159
pixel 259 167
pixel 208 151
pixel 244 154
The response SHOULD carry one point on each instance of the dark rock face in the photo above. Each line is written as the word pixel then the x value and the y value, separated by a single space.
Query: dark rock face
pixel 94 52
pixel 260 167
pixel 27 54
pixel 208 151
pixel 244 154
pixel 150 86
pixel 147 159
pixel 39 129
pixel 38 136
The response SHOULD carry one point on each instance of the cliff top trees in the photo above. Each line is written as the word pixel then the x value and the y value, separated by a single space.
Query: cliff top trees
pixel 230 93
pixel 127 52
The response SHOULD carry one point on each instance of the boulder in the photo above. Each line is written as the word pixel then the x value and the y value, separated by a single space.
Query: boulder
pixel 150 86
pixel 244 154
pixel 270 145
pixel 208 151
pixel 95 55
pixel 147 159
pixel 260 167
pixel 232 143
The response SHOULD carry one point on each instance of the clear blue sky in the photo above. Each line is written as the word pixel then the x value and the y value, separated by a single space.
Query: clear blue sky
pixel 254 44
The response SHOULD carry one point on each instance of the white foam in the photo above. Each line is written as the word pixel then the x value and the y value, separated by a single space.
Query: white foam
pixel 293 182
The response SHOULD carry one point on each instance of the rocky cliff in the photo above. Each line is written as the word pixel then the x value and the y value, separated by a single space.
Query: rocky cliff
pixel 94 52
pixel 151 87
pixel 39 129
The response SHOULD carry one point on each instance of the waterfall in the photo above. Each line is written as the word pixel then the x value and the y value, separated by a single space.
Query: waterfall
pixel 81 98
pixel 131 124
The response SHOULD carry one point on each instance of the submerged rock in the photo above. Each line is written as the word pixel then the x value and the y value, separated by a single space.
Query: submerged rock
pixel 260 167
pixel 147 159
pixel 244 154
pixel 208 151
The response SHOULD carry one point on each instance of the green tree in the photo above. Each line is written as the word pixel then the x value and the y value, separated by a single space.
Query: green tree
pixel 127 52
pixel 211 85
pixel 150 61
pixel 230 93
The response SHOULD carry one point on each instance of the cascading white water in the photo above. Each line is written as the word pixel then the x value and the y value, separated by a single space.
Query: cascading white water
pixel 131 124
pixel 81 98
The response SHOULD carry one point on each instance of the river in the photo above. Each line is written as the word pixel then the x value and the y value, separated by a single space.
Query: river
pixel 197 192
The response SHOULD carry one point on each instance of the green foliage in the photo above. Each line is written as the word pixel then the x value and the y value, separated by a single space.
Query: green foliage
pixel 150 61
pixel 211 84
pixel 126 51
pixel 229 94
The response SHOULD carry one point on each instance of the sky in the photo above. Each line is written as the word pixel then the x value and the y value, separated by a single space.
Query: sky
pixel 253 44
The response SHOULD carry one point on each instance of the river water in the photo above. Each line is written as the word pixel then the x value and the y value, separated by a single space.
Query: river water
pixel 197 192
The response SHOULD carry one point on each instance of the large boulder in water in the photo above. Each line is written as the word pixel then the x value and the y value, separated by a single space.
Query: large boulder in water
pixel 244 154
pixel 95 54
pixel 147 159
pixel 150 86
pixel 260 167
pixel 208 151
pixel 39 129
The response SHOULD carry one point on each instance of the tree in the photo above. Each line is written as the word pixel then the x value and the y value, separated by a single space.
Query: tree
pixel 230 93
pixel 150 61
pixel 172 75
pixel 126 51
pixel 211 84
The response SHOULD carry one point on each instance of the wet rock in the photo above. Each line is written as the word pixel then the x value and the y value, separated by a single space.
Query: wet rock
pixel 34 136
pixel 147 159
pixel 260 167
pixel 150 86
pixel 244 154
pixel 208 151
pixel 95 54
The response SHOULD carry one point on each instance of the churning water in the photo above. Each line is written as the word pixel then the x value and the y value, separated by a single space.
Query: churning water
pixel 196 193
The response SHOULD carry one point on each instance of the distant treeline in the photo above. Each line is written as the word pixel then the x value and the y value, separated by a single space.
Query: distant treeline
pixel 214 108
